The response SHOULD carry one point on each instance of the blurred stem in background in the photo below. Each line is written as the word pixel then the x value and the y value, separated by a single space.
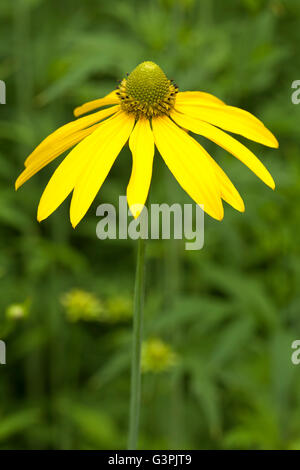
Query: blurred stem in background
pixel 135 393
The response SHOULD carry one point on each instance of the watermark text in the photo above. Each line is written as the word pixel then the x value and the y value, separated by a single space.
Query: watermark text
pixel 295 358
pixel 158 221
pixel 2 92
pixel 2 352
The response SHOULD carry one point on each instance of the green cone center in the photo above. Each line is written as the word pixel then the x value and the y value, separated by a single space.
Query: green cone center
pixel 147 83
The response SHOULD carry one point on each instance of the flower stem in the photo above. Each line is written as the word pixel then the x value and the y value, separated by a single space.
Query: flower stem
pixel 135 393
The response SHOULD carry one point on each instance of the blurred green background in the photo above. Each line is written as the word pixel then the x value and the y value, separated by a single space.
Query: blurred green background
pixel 219 322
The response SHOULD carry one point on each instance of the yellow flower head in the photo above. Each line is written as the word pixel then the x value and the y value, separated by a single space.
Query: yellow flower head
pixel 157 356
pixel 82 305
pixel 148 110
pixel 17 311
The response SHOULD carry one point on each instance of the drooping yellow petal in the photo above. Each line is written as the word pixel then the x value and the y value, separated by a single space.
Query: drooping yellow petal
pixel 141 144
pixel 99 165
pixel 64 178
pixel 227 142
pixel 55 139
pixel 111 98
pixel 228 191
pixel 231 119
pixel 55 151
pixel 189 164
pixel 198 97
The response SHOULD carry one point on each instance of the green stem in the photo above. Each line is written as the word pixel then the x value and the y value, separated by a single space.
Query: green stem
pixel 135 394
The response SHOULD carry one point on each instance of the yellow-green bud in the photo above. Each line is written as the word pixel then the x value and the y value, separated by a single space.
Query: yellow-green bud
pixel 17 311
pixel 157 356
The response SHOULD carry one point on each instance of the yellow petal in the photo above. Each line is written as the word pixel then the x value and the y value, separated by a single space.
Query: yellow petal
pixel 189 164
pixel 231 119
pixel 64 178
pixel 141 144
pixel 111 98
pixel 55 139
pixel 55 151
pixel 197 97
pixel 228 191
pixel 227 142
pixel 98 167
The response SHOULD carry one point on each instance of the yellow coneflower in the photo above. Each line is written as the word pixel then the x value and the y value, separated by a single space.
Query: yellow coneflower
pixel 148 110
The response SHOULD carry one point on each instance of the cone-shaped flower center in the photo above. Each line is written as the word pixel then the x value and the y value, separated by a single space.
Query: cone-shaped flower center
pixel 147 83
pixel 147 91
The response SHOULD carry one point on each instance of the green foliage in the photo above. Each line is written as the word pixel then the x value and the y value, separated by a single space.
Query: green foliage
pixel 229 311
